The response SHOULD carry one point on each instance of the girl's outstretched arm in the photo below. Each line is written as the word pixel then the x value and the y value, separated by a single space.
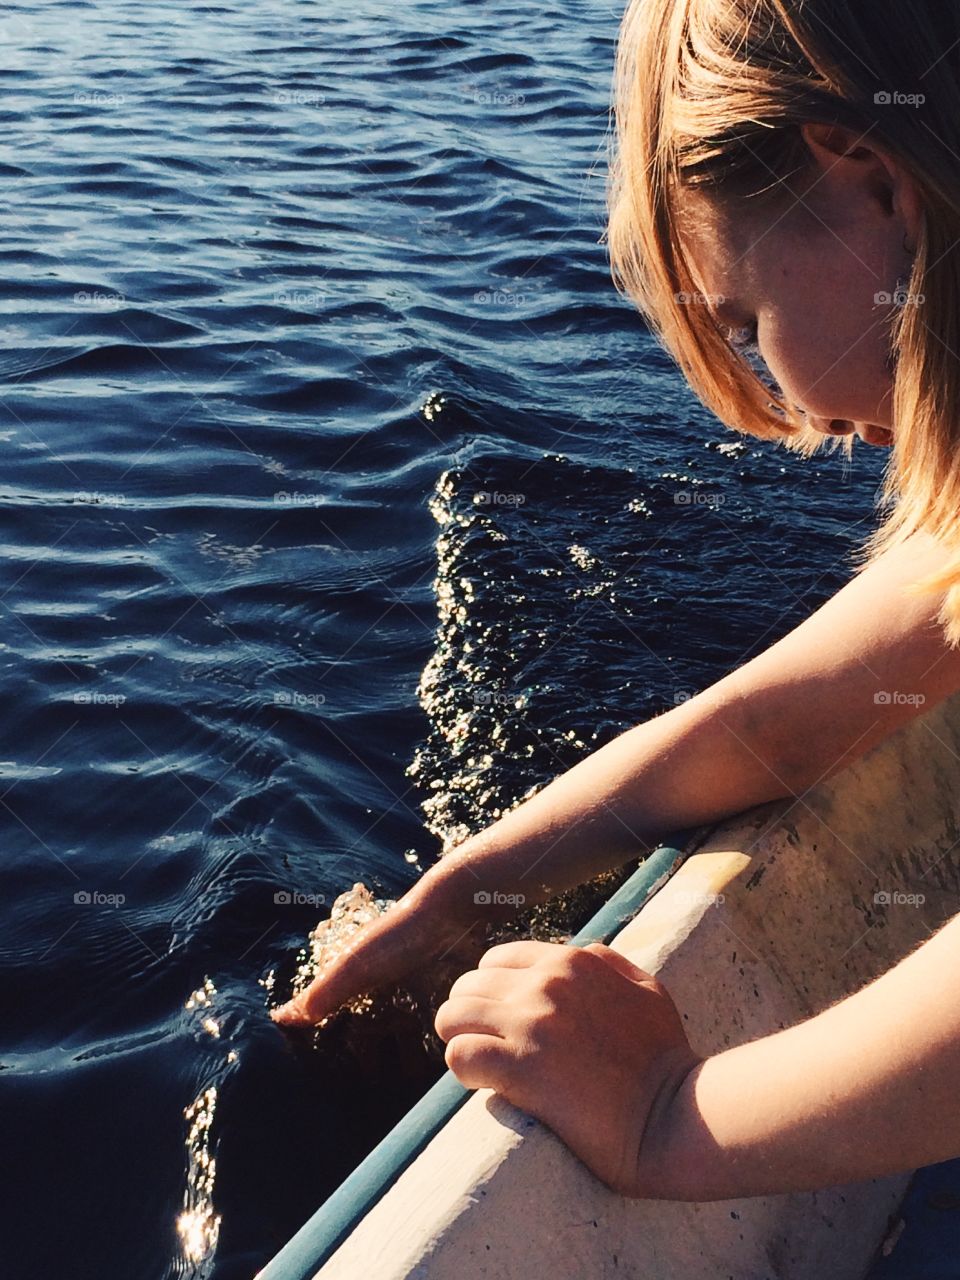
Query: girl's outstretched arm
pixel 849 675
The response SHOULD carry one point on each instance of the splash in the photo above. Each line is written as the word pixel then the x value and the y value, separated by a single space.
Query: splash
pixel 582 558
pixel 466 699
pixel 499 719
pixel 350 912
pixel 486 688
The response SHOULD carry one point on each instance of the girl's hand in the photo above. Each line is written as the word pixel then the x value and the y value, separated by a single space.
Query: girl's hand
pixel 578 1037
pixel 430 927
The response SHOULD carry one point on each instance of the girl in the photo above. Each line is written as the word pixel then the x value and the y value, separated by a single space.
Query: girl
pixel 785 211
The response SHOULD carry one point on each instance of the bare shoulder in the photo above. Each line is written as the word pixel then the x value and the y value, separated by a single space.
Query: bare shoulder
pixel 864 663
pixel 888 609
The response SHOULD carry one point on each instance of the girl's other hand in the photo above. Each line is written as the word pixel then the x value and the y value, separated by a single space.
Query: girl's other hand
pixel 578 1037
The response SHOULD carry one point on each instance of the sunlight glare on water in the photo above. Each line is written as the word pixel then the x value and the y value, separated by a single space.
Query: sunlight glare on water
pixel 198 1226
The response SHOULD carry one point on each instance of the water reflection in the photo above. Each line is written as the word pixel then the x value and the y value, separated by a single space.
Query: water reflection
pixel 198 1226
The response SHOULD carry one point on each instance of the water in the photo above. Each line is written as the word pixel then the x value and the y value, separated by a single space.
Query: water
pixel 339 509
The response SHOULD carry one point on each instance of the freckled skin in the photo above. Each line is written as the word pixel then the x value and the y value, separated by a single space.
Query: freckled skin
pixel 807 273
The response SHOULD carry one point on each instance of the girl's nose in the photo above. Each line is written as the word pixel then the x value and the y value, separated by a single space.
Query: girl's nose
pixel 831 426
pixel 867 431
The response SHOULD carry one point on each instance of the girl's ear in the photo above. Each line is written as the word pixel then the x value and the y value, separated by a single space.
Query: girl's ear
pixel 849 154
pixel 828 142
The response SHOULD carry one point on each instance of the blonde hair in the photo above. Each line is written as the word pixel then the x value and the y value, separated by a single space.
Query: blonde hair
pixel 712 93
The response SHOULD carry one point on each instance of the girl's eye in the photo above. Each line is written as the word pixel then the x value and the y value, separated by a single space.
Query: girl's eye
pixel 744 343
pixel 745 339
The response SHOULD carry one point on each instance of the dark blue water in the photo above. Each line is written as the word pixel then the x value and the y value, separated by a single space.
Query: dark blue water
pixel 307 327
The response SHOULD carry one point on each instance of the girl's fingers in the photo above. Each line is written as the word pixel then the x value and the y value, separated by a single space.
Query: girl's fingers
pixel 470 1015
pixel 621 964
pixel 361 967
pixel 323 995
pixel 478 1061
pixel 384 950
pixel 515 955
pixel 495 984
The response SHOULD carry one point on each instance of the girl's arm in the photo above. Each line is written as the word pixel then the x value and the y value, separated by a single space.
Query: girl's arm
pixel 864 1089
pixel 595 1048
pixel 861 666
